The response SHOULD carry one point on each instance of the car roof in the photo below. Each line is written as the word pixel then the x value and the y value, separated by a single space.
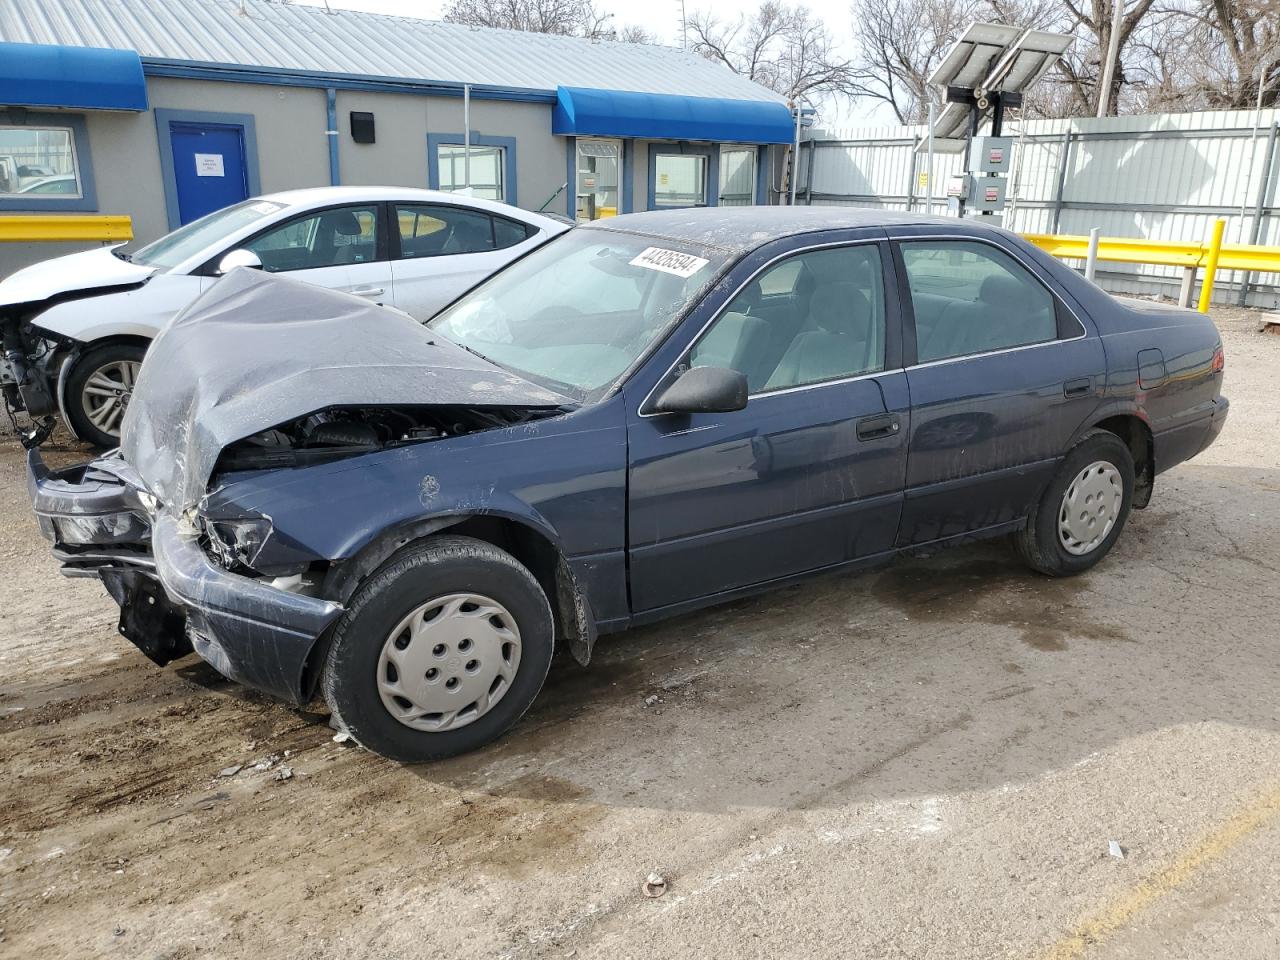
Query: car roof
pixel 321 196
pixel 745 228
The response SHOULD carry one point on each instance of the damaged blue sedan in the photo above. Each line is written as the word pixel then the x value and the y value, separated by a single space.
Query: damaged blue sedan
pixel 648 415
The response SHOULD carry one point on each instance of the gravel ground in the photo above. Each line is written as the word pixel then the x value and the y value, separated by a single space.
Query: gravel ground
pixel 927 761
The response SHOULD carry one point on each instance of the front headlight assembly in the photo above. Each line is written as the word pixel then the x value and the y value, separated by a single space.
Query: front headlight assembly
pixel 238 543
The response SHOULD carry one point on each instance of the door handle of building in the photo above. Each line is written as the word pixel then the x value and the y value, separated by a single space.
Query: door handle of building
pixel 368 291
pixel 1077 388
pixel 873 428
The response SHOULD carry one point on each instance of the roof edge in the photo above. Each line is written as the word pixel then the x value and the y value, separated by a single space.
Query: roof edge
pixel 294 77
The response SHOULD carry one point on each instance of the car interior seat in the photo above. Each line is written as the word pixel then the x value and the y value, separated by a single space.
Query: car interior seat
pixel 837 337
pixel 468 237
pixel 734 342
pixel 340 223
pixel 838 345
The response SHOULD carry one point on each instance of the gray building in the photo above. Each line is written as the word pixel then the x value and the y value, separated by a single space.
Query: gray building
pixel 167 109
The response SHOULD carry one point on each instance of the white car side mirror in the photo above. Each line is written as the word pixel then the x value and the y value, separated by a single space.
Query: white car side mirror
pixel 239 258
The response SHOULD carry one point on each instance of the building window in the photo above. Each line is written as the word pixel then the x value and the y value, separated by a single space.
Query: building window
pixel 599 176
pixel 487 167
pixel 39 163
pixel 680 180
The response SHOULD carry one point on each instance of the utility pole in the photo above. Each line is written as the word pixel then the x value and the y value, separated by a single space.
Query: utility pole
pixel 1113 55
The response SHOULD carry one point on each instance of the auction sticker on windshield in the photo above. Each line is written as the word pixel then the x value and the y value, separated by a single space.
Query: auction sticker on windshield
pixel 669 261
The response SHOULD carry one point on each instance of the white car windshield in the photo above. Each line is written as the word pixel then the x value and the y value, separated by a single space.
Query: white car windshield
pixel 577 314
pixel 199 235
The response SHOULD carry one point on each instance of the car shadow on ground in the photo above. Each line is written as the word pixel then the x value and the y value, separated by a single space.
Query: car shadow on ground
pixel 956 672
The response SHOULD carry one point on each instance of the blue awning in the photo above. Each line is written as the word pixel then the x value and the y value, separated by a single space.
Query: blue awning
pixel 654 116
pixel 86 78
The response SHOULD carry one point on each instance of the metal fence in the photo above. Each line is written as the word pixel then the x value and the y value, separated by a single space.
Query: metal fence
pixel 1160 177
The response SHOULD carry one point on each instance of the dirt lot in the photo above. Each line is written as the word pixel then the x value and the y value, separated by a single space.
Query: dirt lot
pixel 928 761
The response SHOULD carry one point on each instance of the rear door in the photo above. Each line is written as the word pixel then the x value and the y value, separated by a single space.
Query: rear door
pixel 1002 372
pixel 810 474
pixel 439 251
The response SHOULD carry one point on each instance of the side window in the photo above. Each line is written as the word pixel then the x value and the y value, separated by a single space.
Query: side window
pixel 438 230
pixel 822 319
pixel 329 238
pixel 507 233
pixel 971 297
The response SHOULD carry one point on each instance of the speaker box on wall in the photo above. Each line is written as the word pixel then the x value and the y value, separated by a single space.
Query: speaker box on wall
pixel 362 127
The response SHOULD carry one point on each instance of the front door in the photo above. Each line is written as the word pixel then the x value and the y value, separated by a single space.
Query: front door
pixel 1005 374
pixel 737 176
pixel 809 475
pixel 208 166
pixel 344 248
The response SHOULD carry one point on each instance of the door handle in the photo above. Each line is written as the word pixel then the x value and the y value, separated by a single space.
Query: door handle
pixel 1078 388
pixel 873 428
pixel 368 291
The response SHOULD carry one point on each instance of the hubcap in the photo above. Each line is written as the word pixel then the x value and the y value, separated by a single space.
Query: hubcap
pixel 448 662
pixel 106 394
pixel 1090 507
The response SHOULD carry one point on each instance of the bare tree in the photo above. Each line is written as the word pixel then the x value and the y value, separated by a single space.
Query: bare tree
pixel 1174 54
pixel 781 46
pixel 1246 34
pixel 900 43
pixel 574 18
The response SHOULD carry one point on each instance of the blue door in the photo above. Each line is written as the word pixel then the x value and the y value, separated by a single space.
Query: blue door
pixel 208 166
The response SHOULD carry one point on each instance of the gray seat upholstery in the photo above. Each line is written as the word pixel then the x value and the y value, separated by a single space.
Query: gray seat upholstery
pixel 731 343
pixel 839 343
pixel 1005 314
pixel 341 223
pixel 468 237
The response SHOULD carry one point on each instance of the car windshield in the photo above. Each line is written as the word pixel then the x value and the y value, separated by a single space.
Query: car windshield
pixel 578 312
pixel 198 235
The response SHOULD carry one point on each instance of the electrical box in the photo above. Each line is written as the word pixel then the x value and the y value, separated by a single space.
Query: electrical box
pixel 978 194
pixel 985 193
pixel 990 154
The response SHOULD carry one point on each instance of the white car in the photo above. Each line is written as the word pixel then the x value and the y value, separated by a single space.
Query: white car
pixel 416 250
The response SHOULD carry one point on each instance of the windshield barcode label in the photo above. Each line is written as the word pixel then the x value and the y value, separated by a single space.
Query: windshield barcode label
pixel 669 261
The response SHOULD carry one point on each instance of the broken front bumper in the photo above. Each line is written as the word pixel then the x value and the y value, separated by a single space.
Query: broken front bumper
pixel 172 597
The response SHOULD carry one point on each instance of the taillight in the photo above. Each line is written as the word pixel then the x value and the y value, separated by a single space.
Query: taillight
pixel 1219 361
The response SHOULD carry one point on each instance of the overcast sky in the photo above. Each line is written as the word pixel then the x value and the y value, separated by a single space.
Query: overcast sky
pixel 662 19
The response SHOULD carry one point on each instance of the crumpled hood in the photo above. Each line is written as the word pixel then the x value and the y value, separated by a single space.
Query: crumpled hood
pixel 97 269
pixel 256 350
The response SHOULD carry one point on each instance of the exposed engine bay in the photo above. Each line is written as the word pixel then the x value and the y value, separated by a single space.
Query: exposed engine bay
pixel 349 431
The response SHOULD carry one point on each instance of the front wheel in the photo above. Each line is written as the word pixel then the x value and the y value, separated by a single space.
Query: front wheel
pixel 439 652
pixel 1081 513
pixel 98 391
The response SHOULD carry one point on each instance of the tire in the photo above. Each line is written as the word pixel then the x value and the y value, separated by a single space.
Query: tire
pixel 92 417
pixel 374 641
pixel 1043 545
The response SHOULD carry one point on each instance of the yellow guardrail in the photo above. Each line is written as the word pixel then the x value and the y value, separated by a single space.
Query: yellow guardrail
pixel 29 228
pixel 1212 254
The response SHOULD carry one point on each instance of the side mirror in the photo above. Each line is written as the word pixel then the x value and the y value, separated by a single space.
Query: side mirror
pixel 239 258
pixel 704 390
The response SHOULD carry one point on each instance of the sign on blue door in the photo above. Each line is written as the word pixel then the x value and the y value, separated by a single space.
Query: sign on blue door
pixel 208 166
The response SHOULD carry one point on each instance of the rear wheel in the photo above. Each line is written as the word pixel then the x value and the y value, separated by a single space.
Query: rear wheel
pixel 98 391
pixel 1081 513
pixel 440 651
